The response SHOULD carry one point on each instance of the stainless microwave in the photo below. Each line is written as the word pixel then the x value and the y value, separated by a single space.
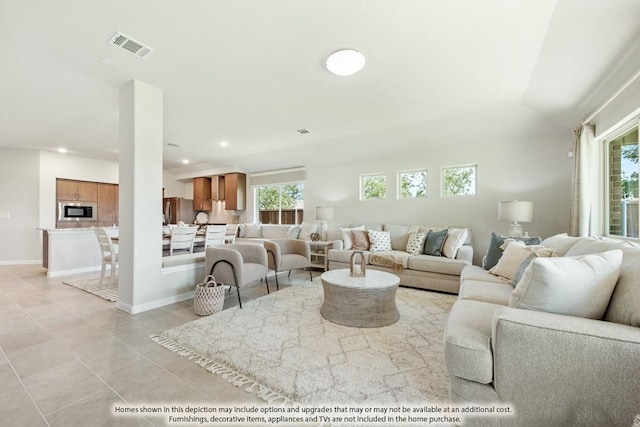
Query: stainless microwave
pixel 77 211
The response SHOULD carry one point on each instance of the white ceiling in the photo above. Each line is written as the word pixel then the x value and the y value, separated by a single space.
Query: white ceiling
pixel 251 72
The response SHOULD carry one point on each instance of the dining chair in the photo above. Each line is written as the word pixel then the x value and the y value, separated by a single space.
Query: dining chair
pixel 109 255
pixel 237 264
pixel 231 233
pixel 214 235
pixel 182 239
pixel 288 254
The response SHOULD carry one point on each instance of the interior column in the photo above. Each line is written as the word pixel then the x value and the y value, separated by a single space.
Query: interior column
pixel 140 195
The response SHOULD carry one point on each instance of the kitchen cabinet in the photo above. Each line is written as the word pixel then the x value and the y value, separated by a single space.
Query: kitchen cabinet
pixel 68 189
pixel 202 194
pixel 235 191
pixel 107 204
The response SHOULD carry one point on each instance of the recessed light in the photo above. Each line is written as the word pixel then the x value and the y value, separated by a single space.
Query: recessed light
pixel 62 150
pixel 185 162
pixel 224 144
pixel 345 62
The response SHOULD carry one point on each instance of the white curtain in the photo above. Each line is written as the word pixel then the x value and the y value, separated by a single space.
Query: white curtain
pixel 585 182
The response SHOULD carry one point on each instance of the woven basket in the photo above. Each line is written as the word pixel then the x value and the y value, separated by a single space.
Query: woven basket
pixel 209 297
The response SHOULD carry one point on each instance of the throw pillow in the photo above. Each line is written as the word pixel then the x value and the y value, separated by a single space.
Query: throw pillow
pixel 293 232
pixel 416 243
pixel 306 229
pixel 494 252
pixel 252 231
pixel 399 235
pixel 454 241
pixel 523 266
pixel 578 286
pixel 434 242
pixel 346 235
pixel 514 253
pixel 360 240
pixel 379 241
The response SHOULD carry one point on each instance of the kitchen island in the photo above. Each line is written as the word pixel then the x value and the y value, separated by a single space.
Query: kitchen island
pixel 71 250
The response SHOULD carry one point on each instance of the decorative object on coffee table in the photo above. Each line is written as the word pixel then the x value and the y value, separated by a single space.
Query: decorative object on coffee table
pixel 515 210
pixel 355 269
pixel 362 302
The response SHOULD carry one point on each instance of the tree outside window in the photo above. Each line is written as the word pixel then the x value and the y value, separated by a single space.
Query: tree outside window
pixel 623 216
pixel 459 181
pixel 413 184
pixel 373 186
pixel 281 204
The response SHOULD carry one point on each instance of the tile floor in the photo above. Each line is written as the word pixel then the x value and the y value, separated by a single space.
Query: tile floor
pixel 66 357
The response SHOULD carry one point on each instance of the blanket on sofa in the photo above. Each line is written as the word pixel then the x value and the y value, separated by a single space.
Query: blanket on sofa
pixel 393 259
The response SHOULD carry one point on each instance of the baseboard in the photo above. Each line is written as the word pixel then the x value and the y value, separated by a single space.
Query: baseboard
pixel 21 262
pixel 74 271
pixel 139 308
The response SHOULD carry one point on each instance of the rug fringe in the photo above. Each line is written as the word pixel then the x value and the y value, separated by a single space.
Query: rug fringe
pixel 232 376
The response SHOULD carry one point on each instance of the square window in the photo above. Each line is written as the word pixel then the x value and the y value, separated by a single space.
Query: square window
pixel 373 186
pixel 412 184
pixel 459 180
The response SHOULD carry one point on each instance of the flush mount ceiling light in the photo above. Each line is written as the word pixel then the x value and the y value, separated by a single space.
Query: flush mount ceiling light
pixel 345 62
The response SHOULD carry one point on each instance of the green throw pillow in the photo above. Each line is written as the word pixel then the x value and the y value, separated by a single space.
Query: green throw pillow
pixel 434 242
pixel 494 252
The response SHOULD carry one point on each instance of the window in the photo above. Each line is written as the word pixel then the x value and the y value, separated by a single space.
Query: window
pixel 280 204
pixel 622 198
pixel 459 181
pixel 412 184
pixel 373 186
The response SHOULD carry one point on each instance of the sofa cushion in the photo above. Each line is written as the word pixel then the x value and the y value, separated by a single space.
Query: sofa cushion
pixel 252 231
pixel 346 235
pixel 306 230
pixel 455 239
pixel 360 240
pixel 293 232
pixel 379 241
pixel 561 243
pixel 467 340
pixel 416 243
pixel 491 292
pixel 474 272
pixel 434 242
pixel 575 286
pixel 344 255
pixel 495 252
pixel 624 307
pixel 436 264
pixel 399 235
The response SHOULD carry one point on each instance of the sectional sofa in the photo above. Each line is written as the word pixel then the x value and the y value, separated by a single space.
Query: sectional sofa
pixel 439 273
pixel 562 348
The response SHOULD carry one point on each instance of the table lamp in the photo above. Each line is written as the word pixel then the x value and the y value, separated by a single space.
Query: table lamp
pixel 323 213
pixel 516 211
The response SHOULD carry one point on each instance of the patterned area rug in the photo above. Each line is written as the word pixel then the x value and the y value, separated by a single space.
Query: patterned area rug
pixel 90 284
pixel 280 347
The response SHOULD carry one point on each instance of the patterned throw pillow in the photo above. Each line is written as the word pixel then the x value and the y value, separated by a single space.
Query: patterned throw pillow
pixel 379 241
pixel 415 243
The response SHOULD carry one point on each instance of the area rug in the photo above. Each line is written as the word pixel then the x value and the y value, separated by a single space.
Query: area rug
pixel 90 284
pixel 281 348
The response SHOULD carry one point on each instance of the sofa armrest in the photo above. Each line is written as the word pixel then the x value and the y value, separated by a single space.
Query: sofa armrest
pixel 337 244
pixel 465 253
pixel 581 371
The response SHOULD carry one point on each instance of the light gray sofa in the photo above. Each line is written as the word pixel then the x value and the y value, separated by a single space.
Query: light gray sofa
pixel 437 273
pixel 554 370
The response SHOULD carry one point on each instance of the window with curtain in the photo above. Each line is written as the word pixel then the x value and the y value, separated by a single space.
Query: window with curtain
pixel 622 194
pixel 280 204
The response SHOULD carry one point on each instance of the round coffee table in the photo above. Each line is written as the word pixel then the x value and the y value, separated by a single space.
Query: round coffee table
pixel 363 302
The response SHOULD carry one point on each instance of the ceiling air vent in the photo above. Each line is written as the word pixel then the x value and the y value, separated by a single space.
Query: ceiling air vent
pixel 130 45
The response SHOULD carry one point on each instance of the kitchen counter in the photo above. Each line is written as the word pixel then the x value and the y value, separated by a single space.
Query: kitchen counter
pixel 71 250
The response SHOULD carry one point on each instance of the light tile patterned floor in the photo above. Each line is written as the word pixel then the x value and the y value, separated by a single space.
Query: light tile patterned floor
pixel 67 356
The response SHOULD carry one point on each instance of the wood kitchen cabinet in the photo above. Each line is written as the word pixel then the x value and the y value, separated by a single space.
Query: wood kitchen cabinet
pixel 202 194
pixel 107 204
pixel 68 189
pixel 235 191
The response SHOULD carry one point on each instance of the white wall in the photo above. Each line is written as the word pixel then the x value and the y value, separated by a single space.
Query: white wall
pixel 19 197
pixel 533 168
pixel 174 188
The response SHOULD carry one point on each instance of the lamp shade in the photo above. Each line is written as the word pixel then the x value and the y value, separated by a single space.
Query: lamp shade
pixel 515 210
pixel 324 213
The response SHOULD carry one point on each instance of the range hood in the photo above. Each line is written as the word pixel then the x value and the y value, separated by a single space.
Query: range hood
pixel 217 187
